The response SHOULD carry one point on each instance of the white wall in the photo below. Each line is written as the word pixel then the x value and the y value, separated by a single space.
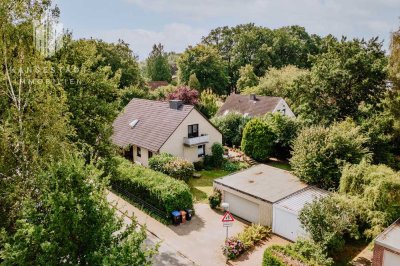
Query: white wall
pixel 265 207
pixel 144 159
pixel 286 223
pixel 174 145
pixel 283 105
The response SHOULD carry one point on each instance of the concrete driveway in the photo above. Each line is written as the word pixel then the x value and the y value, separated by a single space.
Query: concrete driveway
pixel 199 241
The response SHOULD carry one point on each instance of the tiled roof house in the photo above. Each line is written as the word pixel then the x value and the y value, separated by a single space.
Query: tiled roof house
pixel 147 127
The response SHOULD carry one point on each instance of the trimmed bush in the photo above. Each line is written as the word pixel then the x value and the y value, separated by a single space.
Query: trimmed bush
pixel 286 130
pixel 270 259
pixel 158 189
pixel 198 166
pixel 330 219
pixel 319 153
pixel 172 166
pixel 258 139
pixel 293 254
pixel 215 199
pixel 245 240
pixel 217 154
pixel 231 126
pixel 311 251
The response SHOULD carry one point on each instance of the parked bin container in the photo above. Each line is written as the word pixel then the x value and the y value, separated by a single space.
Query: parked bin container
pixel 183 215
pixel 176 217
pixel 189 214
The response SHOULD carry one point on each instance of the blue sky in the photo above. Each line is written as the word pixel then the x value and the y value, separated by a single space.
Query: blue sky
pixel 179 23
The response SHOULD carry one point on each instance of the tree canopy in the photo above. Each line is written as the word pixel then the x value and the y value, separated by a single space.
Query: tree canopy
pixel 207 64
pixel 70 222
pixel 320 152
pixel 157 66
pixel 348 74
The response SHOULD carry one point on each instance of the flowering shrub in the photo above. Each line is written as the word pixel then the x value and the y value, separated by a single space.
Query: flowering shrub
pixel 233 248
pixel 245 240
pixel 215 199
pixel 172 166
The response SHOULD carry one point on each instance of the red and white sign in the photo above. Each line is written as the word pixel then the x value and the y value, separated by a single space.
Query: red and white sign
pixel 227 218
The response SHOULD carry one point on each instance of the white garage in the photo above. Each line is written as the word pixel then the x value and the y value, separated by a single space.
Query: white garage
pixel 387 246
pixel 243 208
pixel 286 211
pixel 251 193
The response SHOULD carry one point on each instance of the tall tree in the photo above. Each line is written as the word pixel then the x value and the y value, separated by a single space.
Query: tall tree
pixel 277 82
pixel 33 112
pixel 121 59
pixel 70 222
pixel 263 48
pixel 349 74
pixel 157 65
pixel 92 95
pixel 247 78
pixel 393 99
pixel 208 66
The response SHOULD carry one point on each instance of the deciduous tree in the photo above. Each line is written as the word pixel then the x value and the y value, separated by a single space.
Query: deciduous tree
pixel 207 64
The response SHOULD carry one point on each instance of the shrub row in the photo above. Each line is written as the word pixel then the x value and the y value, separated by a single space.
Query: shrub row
pixel 305 252
pixel 158 189
pixel 245 240
pixel 172 166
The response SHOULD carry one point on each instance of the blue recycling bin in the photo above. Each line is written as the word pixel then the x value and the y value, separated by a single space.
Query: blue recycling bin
pixel 176 217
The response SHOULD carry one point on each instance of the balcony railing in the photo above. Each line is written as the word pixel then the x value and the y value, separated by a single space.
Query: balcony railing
pixel 196 141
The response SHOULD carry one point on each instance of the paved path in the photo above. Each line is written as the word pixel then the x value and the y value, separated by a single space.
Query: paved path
pixel 197 242
pixel 167 255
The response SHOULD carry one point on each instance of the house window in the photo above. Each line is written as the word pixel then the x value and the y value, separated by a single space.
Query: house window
pixel 138 152
pixel 150 154
pixel 193 131
pixel 201 150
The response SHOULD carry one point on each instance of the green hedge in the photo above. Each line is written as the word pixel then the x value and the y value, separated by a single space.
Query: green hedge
pixel 158 189
pixel 274 255
pixel 269 259
pixel 172 166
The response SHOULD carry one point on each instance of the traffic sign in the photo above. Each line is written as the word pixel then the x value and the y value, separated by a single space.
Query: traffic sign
pixel 227 217
pixel 227 224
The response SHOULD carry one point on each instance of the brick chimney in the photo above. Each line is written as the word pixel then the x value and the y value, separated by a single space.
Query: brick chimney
pixel 175 104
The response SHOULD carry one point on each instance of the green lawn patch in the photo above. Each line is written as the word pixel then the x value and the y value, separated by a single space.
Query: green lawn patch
pixel 280 165
pixel 202 187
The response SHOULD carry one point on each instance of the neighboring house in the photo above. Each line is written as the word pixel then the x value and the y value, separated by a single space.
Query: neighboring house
pixel 156 84
pixel 387 247
pixel 253 105
pixel 268 196
pixel 146 127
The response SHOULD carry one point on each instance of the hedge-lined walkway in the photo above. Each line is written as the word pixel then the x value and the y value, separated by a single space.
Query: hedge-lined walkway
pixel 201 239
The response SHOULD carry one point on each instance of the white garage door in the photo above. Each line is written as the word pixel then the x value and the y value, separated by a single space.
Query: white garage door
pixel 286 224
pixel 390 259
pixel 243 208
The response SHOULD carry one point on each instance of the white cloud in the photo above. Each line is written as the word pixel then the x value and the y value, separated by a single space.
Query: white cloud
pixel 174 37
pixel 355 18
pixel 184 22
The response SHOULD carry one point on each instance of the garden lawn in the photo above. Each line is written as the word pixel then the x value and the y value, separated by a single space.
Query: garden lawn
pixel 280 164
pixel 202 187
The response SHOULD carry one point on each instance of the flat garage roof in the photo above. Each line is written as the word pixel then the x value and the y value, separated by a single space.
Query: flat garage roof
pixel 264 182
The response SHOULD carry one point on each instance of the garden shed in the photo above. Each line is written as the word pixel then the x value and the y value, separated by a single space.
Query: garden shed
pixel 252 193
pixel 286 212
